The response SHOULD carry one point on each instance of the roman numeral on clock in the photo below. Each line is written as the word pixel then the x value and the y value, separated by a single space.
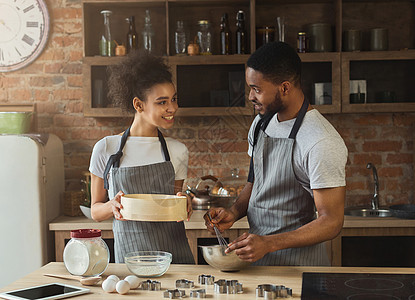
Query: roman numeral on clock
pixel 28 40
pixel 1 55
pixel 32 24
pixel 28 8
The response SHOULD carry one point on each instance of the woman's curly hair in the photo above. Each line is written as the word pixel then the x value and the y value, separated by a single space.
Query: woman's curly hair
pixel 138 72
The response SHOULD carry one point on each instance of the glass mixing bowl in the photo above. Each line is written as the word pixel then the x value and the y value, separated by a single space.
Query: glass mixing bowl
pixel 148 263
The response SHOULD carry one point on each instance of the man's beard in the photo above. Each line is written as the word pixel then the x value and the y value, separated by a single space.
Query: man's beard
pixel 274 107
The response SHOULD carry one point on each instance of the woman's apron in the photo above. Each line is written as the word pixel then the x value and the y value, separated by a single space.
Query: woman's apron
pixel 278 202
pixel 155 178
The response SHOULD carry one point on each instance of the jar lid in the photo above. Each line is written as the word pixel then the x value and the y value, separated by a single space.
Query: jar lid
pixel 85 233
pixel 302 33
pixel 203 22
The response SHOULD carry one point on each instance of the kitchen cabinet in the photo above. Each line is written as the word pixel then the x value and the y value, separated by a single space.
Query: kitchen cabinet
pixel 358 231
pixel 196 232
pixel 203 82
pixel 206 84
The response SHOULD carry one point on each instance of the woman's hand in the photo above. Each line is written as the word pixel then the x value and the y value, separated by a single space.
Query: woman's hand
pixel 189 204
pixel 116 206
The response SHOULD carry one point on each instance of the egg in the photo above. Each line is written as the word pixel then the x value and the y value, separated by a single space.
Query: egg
pixel 114 277
pixel 133 280
pixel 108 285
pixel 122 287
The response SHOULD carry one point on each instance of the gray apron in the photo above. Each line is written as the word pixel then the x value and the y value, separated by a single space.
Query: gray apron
pixel 278 202
pixel 155 178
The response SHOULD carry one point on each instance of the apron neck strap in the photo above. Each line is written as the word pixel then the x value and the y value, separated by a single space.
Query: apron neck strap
pixel 299 119
pixel 163 146
pixel 114 159
pixel 262 125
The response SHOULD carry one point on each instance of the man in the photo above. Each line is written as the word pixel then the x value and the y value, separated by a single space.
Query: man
pixel 294 197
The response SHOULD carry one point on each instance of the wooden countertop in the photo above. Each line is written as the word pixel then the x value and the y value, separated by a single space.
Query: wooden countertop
pixel 289 276
pixel 196 221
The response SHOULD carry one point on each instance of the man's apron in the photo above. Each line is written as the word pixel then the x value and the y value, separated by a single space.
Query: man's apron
pixel 155 178
pixel 278 202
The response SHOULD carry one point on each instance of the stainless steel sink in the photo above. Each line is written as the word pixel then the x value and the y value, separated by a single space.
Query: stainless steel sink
pixel 367 212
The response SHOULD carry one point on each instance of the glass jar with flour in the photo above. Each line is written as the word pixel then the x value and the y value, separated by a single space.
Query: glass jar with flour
pixel 86 253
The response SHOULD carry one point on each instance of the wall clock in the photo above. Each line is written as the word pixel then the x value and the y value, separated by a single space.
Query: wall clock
pixel 24 30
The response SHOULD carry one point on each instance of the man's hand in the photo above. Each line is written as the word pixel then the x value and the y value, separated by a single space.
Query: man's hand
pixel 223 219
pixel 250 247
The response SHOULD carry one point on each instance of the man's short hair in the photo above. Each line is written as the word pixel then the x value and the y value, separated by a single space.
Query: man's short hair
pixel 278 62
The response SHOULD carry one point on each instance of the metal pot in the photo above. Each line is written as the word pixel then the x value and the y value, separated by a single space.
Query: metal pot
pixel 222 200
pixel 201 199
pixel 403 211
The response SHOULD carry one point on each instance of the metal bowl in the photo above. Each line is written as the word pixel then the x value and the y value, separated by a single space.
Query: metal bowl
pixel 148 263
pixel 216 257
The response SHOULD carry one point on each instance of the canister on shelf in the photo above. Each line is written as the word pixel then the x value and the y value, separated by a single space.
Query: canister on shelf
pixel 204 37
pixel 302 42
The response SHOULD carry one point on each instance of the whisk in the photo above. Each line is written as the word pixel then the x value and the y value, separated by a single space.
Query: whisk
pixel 222 242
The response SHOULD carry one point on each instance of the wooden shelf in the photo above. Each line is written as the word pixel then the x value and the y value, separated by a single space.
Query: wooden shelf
pixel 337 67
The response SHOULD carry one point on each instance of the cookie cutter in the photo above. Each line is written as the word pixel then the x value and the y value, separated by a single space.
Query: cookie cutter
pixel 201 293
pixel 272 291
pixel 184 283
pixel 223 286
pixel 150 285
pixel 174 294
pixel 206 279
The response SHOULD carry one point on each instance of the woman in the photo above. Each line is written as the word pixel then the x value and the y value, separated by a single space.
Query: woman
pixel 141 161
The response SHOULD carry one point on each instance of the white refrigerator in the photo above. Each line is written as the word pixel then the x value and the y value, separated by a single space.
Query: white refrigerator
pixel 31 188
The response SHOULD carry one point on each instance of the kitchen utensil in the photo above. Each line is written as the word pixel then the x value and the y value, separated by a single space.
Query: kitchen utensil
pixel 154 207
pixel 15 122
pixel 223 286
pixel 352 40
pixel 272 291
pixel 206 279
pixel 216 257
pixel 184 283
pixel 200 195
pixel 227 189
pixel 150 285
pixel 83 280
pixel 200 293
pixel 174 294
pixel 320 35
pixel 379 39
pixel 148 263
pixel 403 211
pixel 222 242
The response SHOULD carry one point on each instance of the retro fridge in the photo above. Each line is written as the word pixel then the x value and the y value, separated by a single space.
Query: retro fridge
pixel 31 188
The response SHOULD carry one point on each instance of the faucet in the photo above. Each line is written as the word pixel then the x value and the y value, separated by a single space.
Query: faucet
pixel 375 199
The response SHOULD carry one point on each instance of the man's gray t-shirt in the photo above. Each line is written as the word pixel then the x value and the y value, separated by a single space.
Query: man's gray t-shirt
pixel 320 155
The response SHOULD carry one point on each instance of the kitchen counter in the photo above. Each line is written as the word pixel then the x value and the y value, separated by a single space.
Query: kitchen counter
pixel 195 228
pixel 288 276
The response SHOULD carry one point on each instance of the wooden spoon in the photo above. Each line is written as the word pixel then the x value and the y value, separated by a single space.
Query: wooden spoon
pixel 83 280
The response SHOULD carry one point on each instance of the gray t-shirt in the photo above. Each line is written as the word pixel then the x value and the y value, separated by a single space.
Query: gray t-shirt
pixel 320 155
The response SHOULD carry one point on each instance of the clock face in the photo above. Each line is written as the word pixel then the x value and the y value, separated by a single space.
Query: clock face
pixel 24 29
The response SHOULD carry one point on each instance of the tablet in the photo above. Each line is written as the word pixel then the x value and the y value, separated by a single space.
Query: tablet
pixel 45 292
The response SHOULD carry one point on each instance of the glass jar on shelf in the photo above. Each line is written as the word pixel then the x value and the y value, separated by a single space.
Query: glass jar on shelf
pixel 148 33
pixel 204 37
pixel 106 44
pixel 180 39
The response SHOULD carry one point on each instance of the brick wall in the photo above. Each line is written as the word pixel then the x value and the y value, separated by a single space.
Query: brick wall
pixel 216 144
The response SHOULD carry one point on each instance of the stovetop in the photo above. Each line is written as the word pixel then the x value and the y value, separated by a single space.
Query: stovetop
pixel 358 286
